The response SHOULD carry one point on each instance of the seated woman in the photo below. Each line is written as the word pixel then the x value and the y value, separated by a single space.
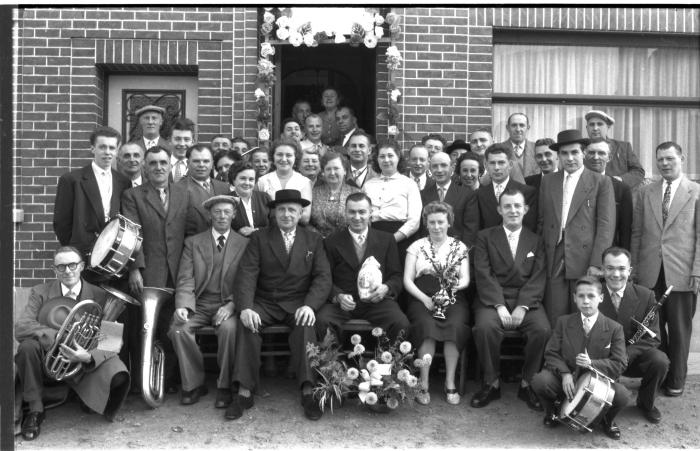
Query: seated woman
pixel 260 158
pixel 469 169
pixel 284 153
pixel 421 283
pixel 396 202
pixel 310 166
pixel 328 207
pixel 252 212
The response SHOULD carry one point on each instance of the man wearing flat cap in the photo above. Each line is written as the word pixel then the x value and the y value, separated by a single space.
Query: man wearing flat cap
pixel 204 297
pixel 150 119
pixel 624 164
pixel 576 219
pixel 283 277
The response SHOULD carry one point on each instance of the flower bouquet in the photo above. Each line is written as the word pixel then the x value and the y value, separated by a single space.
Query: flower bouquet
pixel 334 384
pixel 448 276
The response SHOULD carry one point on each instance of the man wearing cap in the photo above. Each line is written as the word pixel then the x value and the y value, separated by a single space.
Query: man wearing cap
pixel 523 150
pixel 88 197
pixel 546 159
pixel 103 382
pixel 150 119
pixel 624 164
pixel 201 187
pixel 204 297
pixel 576 218
pixel 283 277
pixel 181 139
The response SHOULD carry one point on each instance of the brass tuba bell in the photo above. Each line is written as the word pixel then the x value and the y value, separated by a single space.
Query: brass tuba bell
pixel 153 357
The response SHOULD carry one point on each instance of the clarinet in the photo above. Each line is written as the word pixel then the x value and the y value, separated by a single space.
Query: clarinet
pixel 643 327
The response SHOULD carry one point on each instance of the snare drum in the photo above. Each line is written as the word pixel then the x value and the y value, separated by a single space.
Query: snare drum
pixel 594 394
pixel 116 247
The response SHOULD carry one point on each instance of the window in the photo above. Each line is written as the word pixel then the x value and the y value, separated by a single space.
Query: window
pixel 651 87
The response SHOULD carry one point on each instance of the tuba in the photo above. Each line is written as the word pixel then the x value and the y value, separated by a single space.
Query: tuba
pixel 153 357
pixel 82 328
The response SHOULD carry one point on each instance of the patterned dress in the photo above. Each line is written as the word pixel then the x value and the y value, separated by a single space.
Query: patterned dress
pixel 328 208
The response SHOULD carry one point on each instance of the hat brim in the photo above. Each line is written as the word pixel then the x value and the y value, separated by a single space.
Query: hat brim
pixel 221 198
pixel 54 312
pixel 303 202
pixel 556 146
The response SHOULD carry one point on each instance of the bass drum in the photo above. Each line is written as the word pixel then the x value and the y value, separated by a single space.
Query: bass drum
pixel 116 247
pixel 594 394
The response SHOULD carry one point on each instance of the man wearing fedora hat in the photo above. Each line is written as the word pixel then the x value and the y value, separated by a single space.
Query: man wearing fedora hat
pixel 624 164
pixel 576 218
pixel 150 118
pixel 204 296
pixel 283 277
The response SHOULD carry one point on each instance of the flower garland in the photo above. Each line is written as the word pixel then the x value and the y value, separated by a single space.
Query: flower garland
pixel 276 23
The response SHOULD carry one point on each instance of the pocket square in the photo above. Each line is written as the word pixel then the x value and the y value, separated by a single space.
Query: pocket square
pixel 530 254
pixel 608 346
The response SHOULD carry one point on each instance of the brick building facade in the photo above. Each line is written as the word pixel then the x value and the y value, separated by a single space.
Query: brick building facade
pixel 65 58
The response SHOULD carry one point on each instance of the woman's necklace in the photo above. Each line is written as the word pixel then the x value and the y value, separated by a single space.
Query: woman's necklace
pixel 335 194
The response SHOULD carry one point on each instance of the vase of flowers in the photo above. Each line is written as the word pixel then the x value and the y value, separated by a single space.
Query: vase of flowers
pixel 447 275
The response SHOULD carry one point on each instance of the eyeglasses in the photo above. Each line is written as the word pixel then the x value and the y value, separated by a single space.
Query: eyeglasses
pixel 62 267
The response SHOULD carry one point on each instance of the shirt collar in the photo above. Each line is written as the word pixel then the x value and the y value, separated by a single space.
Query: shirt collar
pixel 516 232
pixel 201 182
pixel 674 184
pixel 174 160
pixel 446 186
pixel 293 232
pixel 576 174
pixel 593 318
pixel 216 234
pixel 99 171
pixel 619 292
pixel 355 236
pixel 138 180
pixel 77 288
pixel 392 177
pixel 503 183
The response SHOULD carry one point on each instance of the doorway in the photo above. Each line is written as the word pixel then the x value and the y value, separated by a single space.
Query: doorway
pixel 307 71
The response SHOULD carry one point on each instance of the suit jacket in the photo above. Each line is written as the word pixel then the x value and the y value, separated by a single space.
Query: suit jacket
pixel 624 163
pixel 590 225
pixel 370 175
pixel 481 212
pixel 267 274
pixel 534 180
pixel 78 215
pixel 163 233
pixel 340 250
pixel 197 267
pixel 624 212
pixel 635 303
pixel 530 166
pixel 261 212
pixel 605 345
pixel 457 196
pixel 502 280
pixel 197 216
pixel 675 244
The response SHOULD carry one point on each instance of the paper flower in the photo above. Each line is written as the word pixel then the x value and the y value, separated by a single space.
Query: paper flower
pixel 283 33
pixel 378 19
pixel 378 32
pixel 356 339
pixel 395 94
pixel 268 17
pixel 371 398
pixel 283 22
pixel 370 41
pixel 309 40
pixel 266 49
pixel 403 374
pixel 391 18
pixel 387 357
pixel 365 374
pixel 418 363
pixel 266 28
pixel 405 347
pixel 377 332
pixel 427 359
pixel 263 134
pixel 372 366
pixel 353 373
pixel 411 381
pixel 359 349
pixel 296 39
pixel 259 93
pixel 392 130
pixel 392 403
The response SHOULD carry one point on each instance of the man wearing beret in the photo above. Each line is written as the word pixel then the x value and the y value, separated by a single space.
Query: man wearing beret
pixel 624 164
pixel 204 296
pixel 150 119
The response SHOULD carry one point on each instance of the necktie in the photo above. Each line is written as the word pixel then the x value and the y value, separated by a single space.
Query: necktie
pixel 72 294
pixel 135 183
pixel 206 186
pixel 178 170
pixel 666 203
pixel 222 243
pixel 615 300
pixel 360 239
pixel 163 197
pixel 565 204
pixel 288 241
pixel 513 244
pixel 417 179
pixel 499 190
pixel 441 193
pixel 518 150
pixel 587 325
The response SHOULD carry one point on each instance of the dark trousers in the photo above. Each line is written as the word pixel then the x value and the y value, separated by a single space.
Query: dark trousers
pixel 652 366
pixel 676 324
pixel 558 296
pixel 385 314
pixel 488 335
pixel 246 370
pixel 30 371
pixel 547 385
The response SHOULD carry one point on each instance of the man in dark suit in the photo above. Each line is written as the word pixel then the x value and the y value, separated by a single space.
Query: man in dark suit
pixel 666 251
pixel 522 150
pixel 200 187
pixel 580 341
pixel 151 118
pixel 359 147
pixel 624 164
pixel 130 163
pixel 576 219
pixel 283 277
pixel 203 297
pixel 546 159
pixel 445 189
pixel 418 163
pixel 160 207
pixel 597 158
pixel 481 211
pixel 510 279
pixel 103 382
pixel 88 197
pixel 347 250
pixel 622 302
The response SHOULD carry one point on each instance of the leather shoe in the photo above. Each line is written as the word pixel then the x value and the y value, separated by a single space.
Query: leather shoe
pixel 652 415
pixel 192 396
pixel 239 403
pixel 223 398
pixel 528 395
pixel 483 397
pixel 311 407
pixel 31 425
pixel 611 429
pixel 550 420
pixel 673 392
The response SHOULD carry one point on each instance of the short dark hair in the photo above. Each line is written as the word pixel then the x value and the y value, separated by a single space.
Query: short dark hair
pixel 239 167
pixel 330 156
pixel 287 120
pixel 348 107
pixel 231 154
pixel 220 136
pixel 238 139
pixel 434 136
pixel 616 251
pixel 510 192
pixel 157 149
pixel 108 132
pixel 588 280
pixel 282 141
pixel 544 142
pixel 527 119
pixel 183 124
pixel 358 196
pixel 199 147
pixel 358 132
pixel 668 145
pixel 389 144
pixel 415 146
pixel 498 148
pixel 470 156
pixel 437 206
pixel 483 129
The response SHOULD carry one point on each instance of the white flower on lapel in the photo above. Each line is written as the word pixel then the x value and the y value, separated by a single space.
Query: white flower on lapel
pixel 309 255
pixel 530 254
pixel 608 346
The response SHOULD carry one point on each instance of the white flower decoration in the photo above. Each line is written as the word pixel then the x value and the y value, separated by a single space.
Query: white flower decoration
pixel 395 93
pixel 282 34
pixel 259 93
pixel 268 17
pixel 266 49
pixel 263 134
pixel 370 41
pixel 309 39
pixel 405 347
pixel 378 32
pixel 296 39
pixel 356 339
pixel 378 19
pixel 392 130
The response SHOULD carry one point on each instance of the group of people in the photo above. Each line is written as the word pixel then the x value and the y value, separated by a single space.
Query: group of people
pixel 536 227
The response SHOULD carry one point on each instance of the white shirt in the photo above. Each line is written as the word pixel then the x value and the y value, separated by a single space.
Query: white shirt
pixel 568 195
pixel 138 181
pixel 148 143
pixel 76 289
pixel 201 183
pixel 347 136
pixel 513 239
pixel 356 236
pixel 359 175
pixel 270 184
pixel 503 185
pixel 619 292
pixel 183 164
pixel 674 187
pixel 248 208
pixel 395 198
pixel 104 183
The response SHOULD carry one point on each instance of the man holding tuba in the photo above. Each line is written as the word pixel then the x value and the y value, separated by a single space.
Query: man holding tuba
pixel 102 381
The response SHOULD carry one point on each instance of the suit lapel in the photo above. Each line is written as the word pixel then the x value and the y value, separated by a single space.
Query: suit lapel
pixel 628 304
pixel 347 248
pixel 178 199
pixel 116 198
pixel 581 190
pixel 525 244
pixel 679 200
pixel 276 243
pixel 557 193
pixel 230 253
pixel 606 307
pixel 299 248
pixel 153 198
pixel 205 248
pixel 576 334
pixel 655 202
pixel 502 245
pixel 92 191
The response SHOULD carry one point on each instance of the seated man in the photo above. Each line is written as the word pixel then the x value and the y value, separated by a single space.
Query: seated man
pixel 347 250
pixel 510 279
pixel 622 301
pixel 283 277
pixel 203 297
pixel 103 382
pixel 581 340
